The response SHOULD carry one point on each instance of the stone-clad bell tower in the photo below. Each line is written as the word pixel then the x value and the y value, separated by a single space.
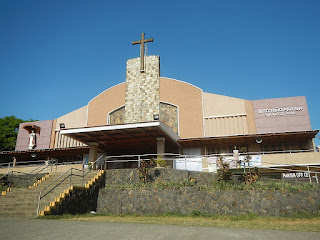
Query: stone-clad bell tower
pixel 142 87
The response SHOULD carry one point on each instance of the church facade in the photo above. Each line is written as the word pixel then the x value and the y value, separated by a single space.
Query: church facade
pixel 152 114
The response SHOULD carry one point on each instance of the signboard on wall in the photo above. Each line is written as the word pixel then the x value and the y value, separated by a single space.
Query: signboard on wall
pixel 281 115
pixel 280 111
pixel 295 175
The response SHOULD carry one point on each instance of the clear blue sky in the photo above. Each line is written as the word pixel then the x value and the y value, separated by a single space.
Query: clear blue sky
pixel 55 56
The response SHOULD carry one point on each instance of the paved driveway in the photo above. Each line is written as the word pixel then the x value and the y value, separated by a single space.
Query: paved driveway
pixel 13 228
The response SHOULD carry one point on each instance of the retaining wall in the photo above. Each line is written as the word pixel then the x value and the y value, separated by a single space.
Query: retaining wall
pixel 131 176
pixel 186 200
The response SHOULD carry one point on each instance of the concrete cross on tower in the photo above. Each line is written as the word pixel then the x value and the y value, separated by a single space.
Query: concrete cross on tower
pixel 142 41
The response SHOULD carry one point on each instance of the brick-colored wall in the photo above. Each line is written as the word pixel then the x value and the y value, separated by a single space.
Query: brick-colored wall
pixel 42 140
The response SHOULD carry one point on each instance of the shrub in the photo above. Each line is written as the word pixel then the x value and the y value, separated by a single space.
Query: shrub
pixel 161 162
pixel 223 172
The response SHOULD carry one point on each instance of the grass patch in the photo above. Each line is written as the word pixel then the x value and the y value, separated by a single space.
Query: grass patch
pixel 306 223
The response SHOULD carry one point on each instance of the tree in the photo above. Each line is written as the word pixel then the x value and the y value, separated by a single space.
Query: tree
pixel 9 127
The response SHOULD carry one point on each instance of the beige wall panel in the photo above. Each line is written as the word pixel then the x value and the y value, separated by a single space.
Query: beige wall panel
pixel 214 128
pixel 75 119
pixel 231 126
pixel 250 117
pixel 225 112
pixel 290 158
pixel 189 100
pixel 228 129
pixel 245 124
pixel 105 102
pixel 218 130
pixel 235 124
pixel 63 141
pixel 224 126
pixel 209 126
pixel 241 124
pixel 52 140
pixel 217 105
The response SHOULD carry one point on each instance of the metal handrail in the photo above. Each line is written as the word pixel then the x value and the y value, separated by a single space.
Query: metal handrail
pixel 46 165
pixel 121 158
pixel 57 179
pixel 27 174
pixel 4 164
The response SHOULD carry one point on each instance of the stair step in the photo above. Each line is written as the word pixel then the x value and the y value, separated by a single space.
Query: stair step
pixel 23 202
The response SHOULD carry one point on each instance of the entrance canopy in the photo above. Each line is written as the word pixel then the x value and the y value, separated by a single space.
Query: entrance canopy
pixel 131 137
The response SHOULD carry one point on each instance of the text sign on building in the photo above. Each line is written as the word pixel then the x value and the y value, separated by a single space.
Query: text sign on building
pixel 294 175
pixel 280 111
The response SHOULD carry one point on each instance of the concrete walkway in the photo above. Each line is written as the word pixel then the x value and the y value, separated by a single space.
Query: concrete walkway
pixel 14 228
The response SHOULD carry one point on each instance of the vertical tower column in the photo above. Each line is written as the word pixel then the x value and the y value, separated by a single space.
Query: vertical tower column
pixel 142 90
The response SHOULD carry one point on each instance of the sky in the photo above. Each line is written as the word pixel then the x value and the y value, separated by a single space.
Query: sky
pixel 55 56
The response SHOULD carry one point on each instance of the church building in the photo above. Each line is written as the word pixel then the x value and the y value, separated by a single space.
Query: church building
pixel 151 114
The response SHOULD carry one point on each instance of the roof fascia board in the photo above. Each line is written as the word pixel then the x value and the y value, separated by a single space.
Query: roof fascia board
pixel 109 128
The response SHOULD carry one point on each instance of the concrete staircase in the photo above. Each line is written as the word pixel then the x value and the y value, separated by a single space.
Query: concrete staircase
pixel 23 202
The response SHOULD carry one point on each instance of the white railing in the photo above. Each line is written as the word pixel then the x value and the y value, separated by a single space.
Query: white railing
pixel 210 163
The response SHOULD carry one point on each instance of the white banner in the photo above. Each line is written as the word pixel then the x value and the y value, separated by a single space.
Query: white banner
pixel 189 163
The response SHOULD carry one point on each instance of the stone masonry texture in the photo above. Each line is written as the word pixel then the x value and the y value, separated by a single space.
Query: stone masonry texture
pixel 187 200
pixel 169 116
pixel 142 90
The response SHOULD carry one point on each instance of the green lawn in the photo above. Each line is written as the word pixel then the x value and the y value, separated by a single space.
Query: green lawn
pixel 298 223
